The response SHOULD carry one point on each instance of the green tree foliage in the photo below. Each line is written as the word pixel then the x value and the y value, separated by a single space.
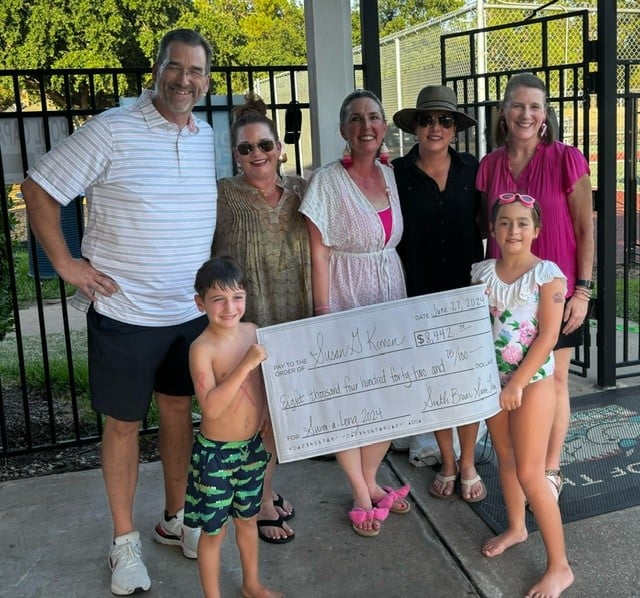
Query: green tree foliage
pixel 219 22
pixel 50 34
pixel 245 32
pixel 46 34
pixel 275 34
pixel 396 15
pixel 42 34
pixel 251 32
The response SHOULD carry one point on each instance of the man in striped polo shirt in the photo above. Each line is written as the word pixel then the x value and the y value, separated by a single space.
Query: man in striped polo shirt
pixel 148 173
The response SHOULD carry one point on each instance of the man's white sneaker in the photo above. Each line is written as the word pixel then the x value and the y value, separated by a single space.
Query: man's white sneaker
pixel 175 533
pixel 128 573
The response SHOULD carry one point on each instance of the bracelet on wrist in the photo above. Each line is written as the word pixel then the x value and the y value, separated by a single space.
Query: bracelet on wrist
pixel 582 293
pixel 585 283
pixel 583 290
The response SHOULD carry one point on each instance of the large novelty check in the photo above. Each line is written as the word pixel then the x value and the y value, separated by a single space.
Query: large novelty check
pixel 381 372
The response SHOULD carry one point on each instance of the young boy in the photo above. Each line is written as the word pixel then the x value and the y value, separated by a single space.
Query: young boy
pixel 228 461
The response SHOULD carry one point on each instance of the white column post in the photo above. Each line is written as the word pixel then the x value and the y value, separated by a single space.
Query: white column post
pixel 481 69
pixel 330 60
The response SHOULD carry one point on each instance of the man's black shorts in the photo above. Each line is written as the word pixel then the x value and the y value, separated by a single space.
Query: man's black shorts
pixel 127 363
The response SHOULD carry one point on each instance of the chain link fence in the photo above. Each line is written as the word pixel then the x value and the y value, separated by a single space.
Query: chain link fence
pixel 411 58
pixel 476 53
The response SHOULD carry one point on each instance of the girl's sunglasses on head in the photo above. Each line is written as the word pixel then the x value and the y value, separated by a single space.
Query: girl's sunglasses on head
pixel 525 200
pixel 427 120
pixel 265 145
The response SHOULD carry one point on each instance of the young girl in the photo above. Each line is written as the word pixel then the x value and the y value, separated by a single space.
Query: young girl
pixel 526 299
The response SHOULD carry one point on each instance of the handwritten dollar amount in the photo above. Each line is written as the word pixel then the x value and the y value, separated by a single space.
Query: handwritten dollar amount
pixel 432 336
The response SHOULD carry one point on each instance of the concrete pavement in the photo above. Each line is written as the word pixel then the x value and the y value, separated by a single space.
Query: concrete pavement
pixel 57 532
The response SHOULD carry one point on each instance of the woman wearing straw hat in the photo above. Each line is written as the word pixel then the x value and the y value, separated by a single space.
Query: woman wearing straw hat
pixel 441 239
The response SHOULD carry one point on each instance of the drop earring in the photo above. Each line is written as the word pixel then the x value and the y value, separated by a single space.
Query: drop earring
pixel 384 154
pixel 543 129
pixel 347 160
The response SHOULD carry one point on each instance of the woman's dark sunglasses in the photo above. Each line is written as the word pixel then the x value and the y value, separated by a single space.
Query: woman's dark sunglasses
pixel 426 120
pixel 266 145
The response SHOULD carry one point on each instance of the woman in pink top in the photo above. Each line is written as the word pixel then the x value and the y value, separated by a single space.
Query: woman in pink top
pixel 529 160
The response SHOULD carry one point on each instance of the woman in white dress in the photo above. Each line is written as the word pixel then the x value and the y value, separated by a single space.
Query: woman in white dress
pixel 355 223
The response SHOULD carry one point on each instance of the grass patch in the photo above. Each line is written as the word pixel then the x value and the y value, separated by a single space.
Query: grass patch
pixel 58 365
pixel 26 284
pixel 633 287
pixel 58 371
pixel 57 362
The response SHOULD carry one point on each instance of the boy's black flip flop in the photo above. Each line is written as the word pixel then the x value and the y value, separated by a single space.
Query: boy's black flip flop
pixel 273 523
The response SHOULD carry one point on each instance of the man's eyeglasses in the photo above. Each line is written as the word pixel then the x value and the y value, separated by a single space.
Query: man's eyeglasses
pixel 427 120
pixel 265 145
pixel 177 71
pixel 525 200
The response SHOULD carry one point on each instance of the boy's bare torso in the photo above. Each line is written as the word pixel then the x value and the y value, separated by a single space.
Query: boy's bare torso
pixel 243 416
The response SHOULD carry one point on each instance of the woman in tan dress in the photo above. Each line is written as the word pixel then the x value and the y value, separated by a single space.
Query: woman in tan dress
pixel 259 224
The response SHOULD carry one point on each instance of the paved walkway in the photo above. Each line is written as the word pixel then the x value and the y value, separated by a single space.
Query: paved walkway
pixel 52 319
pixel 57 532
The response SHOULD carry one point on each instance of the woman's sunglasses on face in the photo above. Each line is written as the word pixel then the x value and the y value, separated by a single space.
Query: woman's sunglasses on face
pixel 265 145
pixel 525 200
pixel 427 120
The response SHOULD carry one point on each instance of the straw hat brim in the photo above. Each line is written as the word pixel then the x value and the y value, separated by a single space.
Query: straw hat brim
pixel 405 119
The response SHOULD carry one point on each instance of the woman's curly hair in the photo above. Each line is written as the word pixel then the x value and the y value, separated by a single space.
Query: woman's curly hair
pixel 253 111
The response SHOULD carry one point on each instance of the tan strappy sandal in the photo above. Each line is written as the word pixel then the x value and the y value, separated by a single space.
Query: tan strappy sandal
pixel 556 480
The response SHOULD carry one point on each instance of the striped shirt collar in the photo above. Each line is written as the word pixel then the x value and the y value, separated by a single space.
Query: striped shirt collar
pixel 153 118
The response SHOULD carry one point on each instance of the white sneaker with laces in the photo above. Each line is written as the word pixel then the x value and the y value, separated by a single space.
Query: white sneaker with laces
pixel 175 533
pixel 128 573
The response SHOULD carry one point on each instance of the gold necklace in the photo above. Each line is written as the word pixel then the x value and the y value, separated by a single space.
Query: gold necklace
pixel 266 191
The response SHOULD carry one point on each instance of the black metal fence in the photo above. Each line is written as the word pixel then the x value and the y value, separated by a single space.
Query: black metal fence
pixel 43 373
pixel 627 209
pixel 43 377
pixel 576 99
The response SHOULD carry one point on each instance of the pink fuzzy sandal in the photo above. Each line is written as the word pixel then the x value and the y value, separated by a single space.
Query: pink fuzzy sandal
pixel 394 500
pixel 358 516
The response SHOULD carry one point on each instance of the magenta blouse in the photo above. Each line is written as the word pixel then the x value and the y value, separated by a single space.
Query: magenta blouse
pixel 550 177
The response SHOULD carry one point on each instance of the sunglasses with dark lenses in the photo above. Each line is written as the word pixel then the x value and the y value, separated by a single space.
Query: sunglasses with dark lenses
pixel 525 200
pixel 426 120
pixel 265 145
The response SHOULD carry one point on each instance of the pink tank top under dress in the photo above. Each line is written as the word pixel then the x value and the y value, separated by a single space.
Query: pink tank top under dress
pixel 386 218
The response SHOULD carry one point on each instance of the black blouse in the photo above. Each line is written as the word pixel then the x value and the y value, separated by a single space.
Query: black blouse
pixel 441 235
